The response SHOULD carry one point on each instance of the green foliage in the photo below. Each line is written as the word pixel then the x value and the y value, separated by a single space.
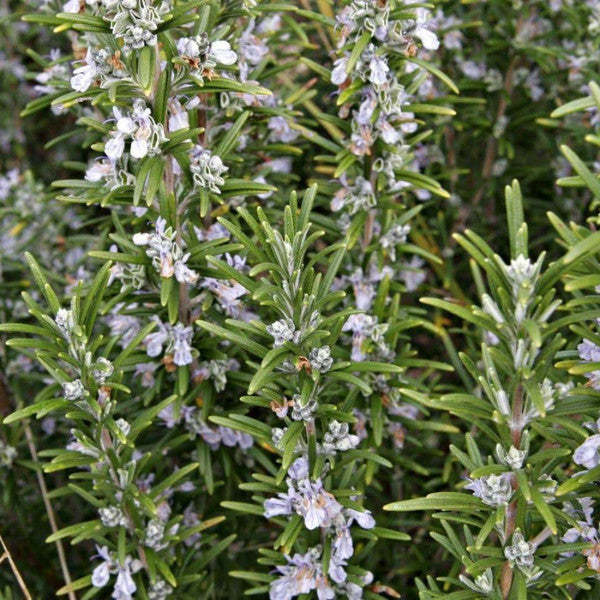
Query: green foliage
pixel 265 329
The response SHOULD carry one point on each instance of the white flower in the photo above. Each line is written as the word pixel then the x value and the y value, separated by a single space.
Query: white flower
pixel 65 321
pixel 72 6
pixel 494 490
pixel 338 74
pixel 252 48
pixel 522 274
pixel 181 340
pixel 124 426
pixel 183 273
pixel 300 575
pixel 125 125
pixel 364 518
pixel 136 23
pixel 73 390
pixel 315 504
pixel 99 169
pixel 140 128
pixel 379 70
pixel 155 531
pixel 513 458
pixel 124 585
pixel 221 51
pixel 83 78
pixel 139 148
pixel 483 584
pixel 395 235
pixel 177 338
pixel 428 38
pixel 202 55
pixel 282 331
pixel 102 370
pixel 589 351
pixel 587 454
pixel 7 454
pixel 190 47
pixel 114 147
pixel 339 438
pixel 179 118
pixel 303 412
pixel 160 590
pixel 520 552
pixel 412 274
pixel 281 130
pixel 389 133
pixel 281 505
pixel 154 341
pixel 112 516
pixel 166 253
pixel 320 359
pixel 207 169
pixel 101 574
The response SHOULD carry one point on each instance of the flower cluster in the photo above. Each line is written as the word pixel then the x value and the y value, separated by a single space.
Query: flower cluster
pixel 176 340
pixel 135 21
pixel 137 127
pixel 166 252
pixel 303 573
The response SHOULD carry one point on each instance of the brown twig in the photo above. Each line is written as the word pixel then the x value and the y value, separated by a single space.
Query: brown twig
pixel 492 144
pixel 491 148
pixel 7 556
pixel 49 511
pixel 6 402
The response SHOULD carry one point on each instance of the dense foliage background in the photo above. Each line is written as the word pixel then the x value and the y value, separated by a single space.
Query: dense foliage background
pixel 299 299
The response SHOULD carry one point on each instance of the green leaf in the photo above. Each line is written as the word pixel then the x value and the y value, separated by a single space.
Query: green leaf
pixel 578 105
pixel 357 49
pixel 244 507
pixel 438 501
pixel 483 321
pixel 578 481
pixel 94 296
pixel 161 96
pixel 391 534
pixel 84 22
pixel 218 84
pixel 22 328
pixel 241 340
pixel 42 408
pixel 248 425
pixel 434 71
pixel 42 283
pixel 75 530
pixel 433 109
pixel 251 576
pixel 589 245
pixel 172 479
pixel 590 180
pixel 78 584
pixel 377 418
pixel 543 509
pixel 229 140
pixel 214 551
pixel 145 68
pixel 289 441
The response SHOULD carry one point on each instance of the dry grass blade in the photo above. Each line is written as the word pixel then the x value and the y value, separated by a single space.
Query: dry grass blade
pixel 6 555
